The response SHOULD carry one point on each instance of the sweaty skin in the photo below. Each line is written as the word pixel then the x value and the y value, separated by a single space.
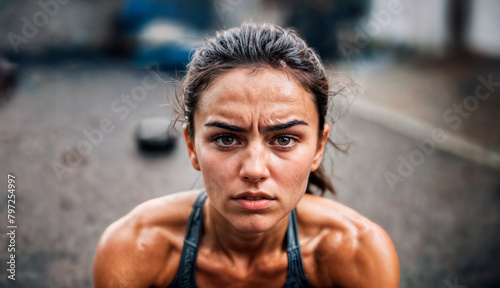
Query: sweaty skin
pixel 256 130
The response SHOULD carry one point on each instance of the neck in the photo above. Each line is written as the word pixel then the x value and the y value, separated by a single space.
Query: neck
pixel 240 247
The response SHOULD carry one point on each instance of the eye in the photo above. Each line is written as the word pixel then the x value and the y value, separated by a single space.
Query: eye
pixel 225 141
pixel 285 141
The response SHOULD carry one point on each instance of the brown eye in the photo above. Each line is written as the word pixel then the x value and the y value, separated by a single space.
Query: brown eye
pixel 226 140
pixel 283 141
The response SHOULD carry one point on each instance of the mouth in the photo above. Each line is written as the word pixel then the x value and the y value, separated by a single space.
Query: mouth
pixel 254 196
pixel 254 200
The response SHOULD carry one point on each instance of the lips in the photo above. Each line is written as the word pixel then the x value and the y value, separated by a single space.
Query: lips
pixel 253 196
pixel 254 200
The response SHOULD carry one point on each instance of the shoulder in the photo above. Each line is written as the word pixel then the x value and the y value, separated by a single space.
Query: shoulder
pixel 348 249
pixel 134 250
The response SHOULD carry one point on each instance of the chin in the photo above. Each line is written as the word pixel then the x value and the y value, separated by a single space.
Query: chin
pixel 253 223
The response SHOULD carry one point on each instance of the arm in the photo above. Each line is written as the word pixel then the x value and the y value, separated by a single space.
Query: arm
pixel 122 260
pixel 377 260
pixel 359 257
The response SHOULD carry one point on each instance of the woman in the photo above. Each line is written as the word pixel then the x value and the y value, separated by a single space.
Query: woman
pixel 255 100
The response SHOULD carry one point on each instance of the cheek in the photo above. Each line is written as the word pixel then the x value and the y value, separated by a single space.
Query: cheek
pixel 216 169
pixel 293 172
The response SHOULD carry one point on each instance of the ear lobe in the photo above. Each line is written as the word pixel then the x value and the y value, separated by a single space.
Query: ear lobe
pixel 318 156
pixel 191 149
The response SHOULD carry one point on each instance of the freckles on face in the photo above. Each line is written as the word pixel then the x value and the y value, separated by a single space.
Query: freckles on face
pixel 255 130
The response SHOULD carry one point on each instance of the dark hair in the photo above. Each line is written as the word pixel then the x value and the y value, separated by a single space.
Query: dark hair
pixel 254 46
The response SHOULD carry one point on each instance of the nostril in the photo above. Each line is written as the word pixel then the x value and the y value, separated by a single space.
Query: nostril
pixel 254 179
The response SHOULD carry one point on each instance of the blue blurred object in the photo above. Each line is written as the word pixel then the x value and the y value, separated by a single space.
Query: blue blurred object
pixel 164 32
pixel 165 43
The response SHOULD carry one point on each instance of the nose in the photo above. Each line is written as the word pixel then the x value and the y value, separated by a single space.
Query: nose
pixel 254 166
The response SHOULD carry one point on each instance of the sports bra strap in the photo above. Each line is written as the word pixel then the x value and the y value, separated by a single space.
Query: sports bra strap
pixel 195 226
pixel 296 275
pixel 185 273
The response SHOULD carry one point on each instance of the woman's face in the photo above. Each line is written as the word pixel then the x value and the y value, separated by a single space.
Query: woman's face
pixel 255 142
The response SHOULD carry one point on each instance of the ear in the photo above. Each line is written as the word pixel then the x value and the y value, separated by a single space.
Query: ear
pixel 318 156
pixel 191 149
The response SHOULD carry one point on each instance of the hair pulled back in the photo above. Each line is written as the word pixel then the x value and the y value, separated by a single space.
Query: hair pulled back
pixel 254 46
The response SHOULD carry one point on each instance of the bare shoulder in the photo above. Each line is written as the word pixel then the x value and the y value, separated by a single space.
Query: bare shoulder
pixel 134 250
pixel 348 249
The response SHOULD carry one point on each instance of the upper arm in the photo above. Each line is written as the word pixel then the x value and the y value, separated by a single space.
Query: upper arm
pixel 365 258
pixel 121 260
pixel 377 260
pixel 135 251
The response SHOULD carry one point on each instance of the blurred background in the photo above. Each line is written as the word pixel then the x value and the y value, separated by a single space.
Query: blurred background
pixel 84 88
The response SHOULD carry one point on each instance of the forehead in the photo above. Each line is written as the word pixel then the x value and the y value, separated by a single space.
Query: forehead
pixel 267 93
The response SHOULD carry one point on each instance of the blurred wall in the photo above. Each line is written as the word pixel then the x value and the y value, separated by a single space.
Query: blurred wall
pixel 483 35
pixel 424 24
pixel 35 26
pixel 86 23
pixel 421 24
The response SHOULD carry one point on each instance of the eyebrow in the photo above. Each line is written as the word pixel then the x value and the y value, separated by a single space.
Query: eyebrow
pixel 272 128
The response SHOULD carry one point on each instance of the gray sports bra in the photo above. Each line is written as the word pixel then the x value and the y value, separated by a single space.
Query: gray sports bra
pixel 185 274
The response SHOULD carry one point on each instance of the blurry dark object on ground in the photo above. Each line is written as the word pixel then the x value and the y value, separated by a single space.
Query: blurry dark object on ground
pixel 155 32
pixel 8 78
pixel 155 135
